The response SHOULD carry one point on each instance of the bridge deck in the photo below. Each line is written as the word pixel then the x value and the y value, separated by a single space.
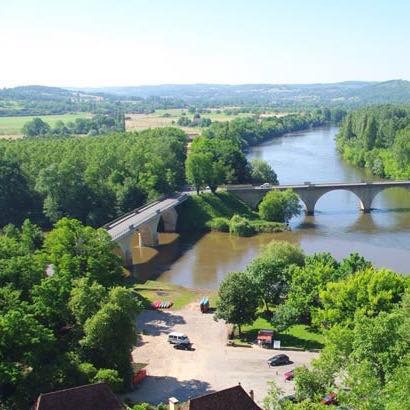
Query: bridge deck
pixel 321 185
pixel 131 221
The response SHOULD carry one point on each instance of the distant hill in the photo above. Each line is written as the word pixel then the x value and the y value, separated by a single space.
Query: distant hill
pixel 41 100
pixel 347 93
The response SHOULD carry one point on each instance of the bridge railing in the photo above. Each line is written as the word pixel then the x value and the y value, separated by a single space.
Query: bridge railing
pixel 134 211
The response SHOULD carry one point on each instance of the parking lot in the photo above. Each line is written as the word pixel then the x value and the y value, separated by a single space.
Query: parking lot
pixel 210 366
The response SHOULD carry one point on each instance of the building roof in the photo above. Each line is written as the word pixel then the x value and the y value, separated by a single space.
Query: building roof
pixel 228 399
pixel 96 396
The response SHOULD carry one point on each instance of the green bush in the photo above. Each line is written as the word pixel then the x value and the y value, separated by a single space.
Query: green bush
pixel 268 227
pixel 111 377
pixel 240 226
pixel 219 224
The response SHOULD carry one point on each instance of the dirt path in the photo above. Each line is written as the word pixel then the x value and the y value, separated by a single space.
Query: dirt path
pixel 209 367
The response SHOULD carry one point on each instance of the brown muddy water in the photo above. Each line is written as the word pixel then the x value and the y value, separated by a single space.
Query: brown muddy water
pixel 383 236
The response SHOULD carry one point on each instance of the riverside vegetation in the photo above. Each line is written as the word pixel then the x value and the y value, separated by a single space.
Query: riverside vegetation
pixel 378 138
pixel 362 314
pixel 96 178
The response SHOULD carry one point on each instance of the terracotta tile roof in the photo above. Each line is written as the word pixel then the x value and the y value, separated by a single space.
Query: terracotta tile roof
pixel 228 399
pixel 96 396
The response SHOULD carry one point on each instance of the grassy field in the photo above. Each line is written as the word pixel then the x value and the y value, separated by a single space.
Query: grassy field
pixel 164 118
pixel 156 290
pixel 296 336
pixel 12 126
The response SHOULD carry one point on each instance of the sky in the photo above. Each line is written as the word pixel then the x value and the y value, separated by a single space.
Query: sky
pixel 93 43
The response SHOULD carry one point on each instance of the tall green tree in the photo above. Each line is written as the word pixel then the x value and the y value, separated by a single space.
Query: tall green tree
pixel 279 206
pixel 237 300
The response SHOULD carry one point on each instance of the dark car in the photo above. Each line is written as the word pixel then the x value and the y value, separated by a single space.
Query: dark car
pixel 183 346
pixel 278 360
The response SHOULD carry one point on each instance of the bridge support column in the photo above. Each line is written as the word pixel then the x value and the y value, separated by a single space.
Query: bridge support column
pixel 309 199
pixel 366 196
pixel 170 218
pixel 148 235
pixel 126 249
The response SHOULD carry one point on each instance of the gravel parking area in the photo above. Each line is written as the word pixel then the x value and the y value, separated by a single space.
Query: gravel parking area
pixel 211 366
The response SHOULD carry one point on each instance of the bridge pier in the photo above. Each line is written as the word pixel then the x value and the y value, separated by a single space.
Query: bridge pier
pixel 147 233
pixel 170 217
pixel 366 196
pixel 309 199
pixel 126 250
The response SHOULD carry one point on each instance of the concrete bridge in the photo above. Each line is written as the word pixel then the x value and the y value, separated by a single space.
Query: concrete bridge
pixel 144 221
pixel 310 193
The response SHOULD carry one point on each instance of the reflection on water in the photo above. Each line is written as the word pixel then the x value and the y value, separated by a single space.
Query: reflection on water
pixel 338 226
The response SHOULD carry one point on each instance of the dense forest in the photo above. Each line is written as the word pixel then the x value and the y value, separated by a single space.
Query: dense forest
pixel 92 178
pixel 62 308
pixel 378 138
pixel 96 178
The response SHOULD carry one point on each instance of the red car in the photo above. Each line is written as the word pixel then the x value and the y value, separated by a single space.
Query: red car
pixel 288 375
pixel 330 398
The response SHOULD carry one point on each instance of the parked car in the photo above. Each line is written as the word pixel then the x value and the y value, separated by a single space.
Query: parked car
pixel 264 186
pixel 183 346
pixel 289 375
pixel 330 398
pixel 176 337
pixel 278 360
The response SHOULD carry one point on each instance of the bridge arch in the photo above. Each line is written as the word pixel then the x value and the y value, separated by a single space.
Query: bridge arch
pixel 365 196
pixel 397 191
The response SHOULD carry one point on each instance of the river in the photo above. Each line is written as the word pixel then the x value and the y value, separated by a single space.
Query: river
pixel 382 236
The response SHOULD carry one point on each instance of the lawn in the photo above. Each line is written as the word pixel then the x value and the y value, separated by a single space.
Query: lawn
pixel 156 290
pixel 12 126
pixel 296 336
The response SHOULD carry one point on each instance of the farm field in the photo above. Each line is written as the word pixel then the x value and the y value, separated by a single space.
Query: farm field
pixel 168 118
pixel 10 127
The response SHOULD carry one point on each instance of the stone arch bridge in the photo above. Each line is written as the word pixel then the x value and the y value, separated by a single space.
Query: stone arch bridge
pixel 310 193
pixel 144 221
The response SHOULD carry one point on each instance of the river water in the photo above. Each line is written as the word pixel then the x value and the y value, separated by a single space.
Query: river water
pixel 383 236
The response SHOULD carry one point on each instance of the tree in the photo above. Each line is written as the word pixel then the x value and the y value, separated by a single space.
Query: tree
pixel 16 200
pixel 270 271
pixel 370 291
pixel 262 172
pixel 25 345
pixel 279 206
pixel 85 299
pixel 272 398
pixel 35 127
pixel 197 165
pixel 304 286
pixel 237 300
pixel 115 317
pixel 77 250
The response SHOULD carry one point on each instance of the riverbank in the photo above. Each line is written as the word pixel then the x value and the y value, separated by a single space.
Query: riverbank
pixel 213 212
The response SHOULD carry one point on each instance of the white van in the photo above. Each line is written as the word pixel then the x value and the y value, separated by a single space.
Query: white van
pixel 176 337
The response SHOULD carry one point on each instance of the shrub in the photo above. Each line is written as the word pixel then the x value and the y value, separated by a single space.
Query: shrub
pixel 111 377
pixel 240 226
pixel 268 227
pixel 219 224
